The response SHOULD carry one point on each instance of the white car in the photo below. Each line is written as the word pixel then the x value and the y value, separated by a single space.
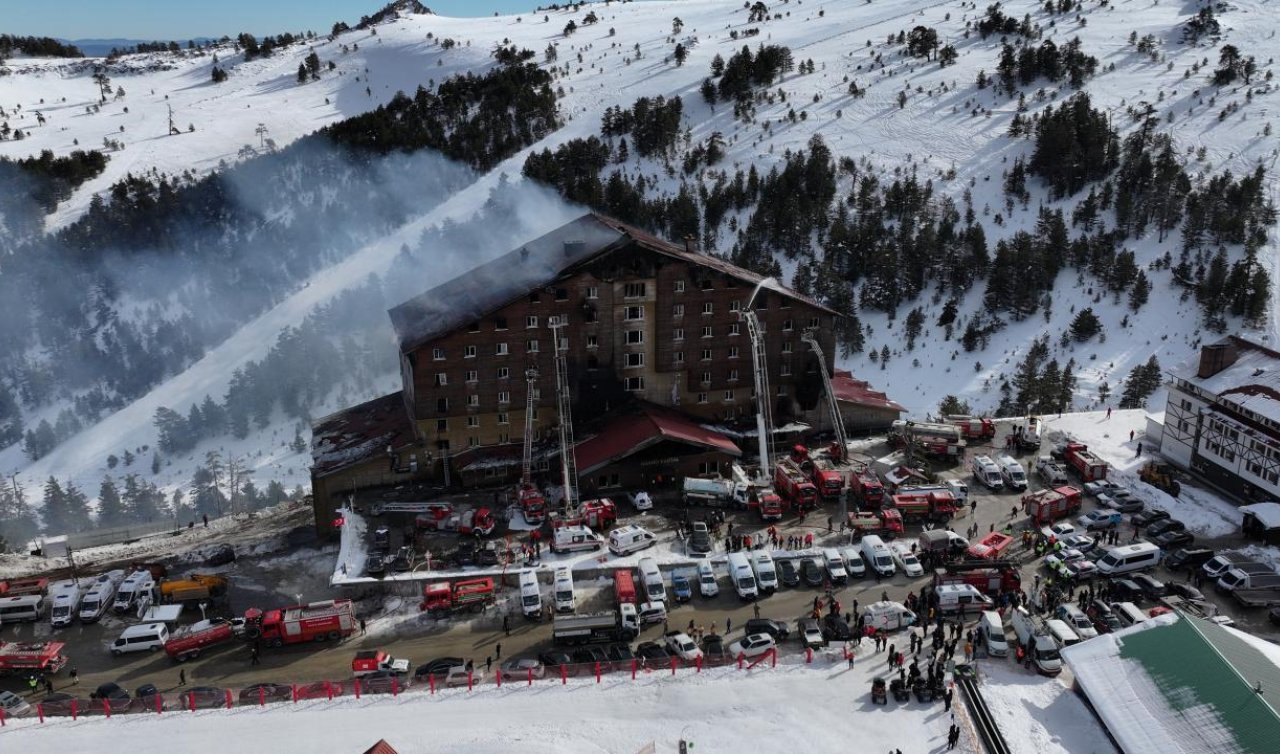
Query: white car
pixel 811 633
pixel 1053 560
pixel 1100 487
pixel 13 705
pixel 1081 542
pixel 752 645
pixel 641 501
pixel 682 646
pixel 1058 530
pixel 707 584
pixel 907 562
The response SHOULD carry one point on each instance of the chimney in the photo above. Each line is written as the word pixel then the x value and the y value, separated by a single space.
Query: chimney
pixel 688 244
pixel 574 248
pixel 1216 357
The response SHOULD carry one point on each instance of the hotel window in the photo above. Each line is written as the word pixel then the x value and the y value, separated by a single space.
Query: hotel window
pixel 499 323
pixel 504 417
pixel 504 397
pixel 633 290
pixel 473 422
pixel 677 310
pixel 728 396
pixel 786 346
pixel 635 337
pixel 469 352
pixel 534 298
pixel 786 325
pixel 702 397
pixel 635 383
pixel 442 405
pixel 593 292
pixel 530 323
pixel 531 346
pixel 562 294
pixel 782 391
pixel 504 373
pixel 473 327
pixel 733 329
pixel 708 307
pixel 706 332
pixel 473 401
pixel 593 341
pixel 442 425
pixel 633 313
pixel 503 437
pixel 733 375
pixel 813 322
pixel 709 467
pixel 437 354
pixel 679 286
pixel 442 379
pixel 537 393
pixel 735 305
pixel 706 354
pixel 706 378
pixel 501 349
pixel 634 360
pixel 472 375
pixel 786 369
pixel 705 284
pixel 679 358
pixel 473 442
pixel 677 334
pixel 733 352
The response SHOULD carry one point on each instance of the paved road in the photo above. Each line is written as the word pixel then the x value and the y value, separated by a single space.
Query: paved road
pixel 476 639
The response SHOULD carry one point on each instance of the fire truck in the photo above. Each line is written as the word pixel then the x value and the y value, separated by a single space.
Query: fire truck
pixel 1044 506
pixel 328 620
pixel 476 522
pixel 936 505
pixel 1087 465
pixel 827 478
pixel 597 514
pixel 443 598
pixel 793 485
pixel 24 587
pixel 21 658
pixel 532 504
pixel 188 642
pixel 867 488
pixel 885 523
pixel 989 576
pixel 990 547
pixel 972 427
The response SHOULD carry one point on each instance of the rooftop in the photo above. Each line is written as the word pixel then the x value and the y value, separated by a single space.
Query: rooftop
pixel 359 433
pixel 538 263
pixel 860 393
pixel 1179 684
pixel 1250 381
pixel 630 434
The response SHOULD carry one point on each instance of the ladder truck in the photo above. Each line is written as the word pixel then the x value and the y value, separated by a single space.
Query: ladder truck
pixel 600 513
pixel 840 450
pixel 532 504
pixel 764 419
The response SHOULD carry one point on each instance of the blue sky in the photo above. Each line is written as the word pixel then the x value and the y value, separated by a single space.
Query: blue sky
pixel 182 19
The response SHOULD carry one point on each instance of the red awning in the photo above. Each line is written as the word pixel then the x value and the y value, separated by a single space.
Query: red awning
pixel 630 434
pixel 860 393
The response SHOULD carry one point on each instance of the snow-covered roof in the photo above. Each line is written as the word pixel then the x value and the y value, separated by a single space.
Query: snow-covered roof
pixel 849 389
pixel 1268 514
pixel 1176 684
pixel 360 433
pixel 1252 382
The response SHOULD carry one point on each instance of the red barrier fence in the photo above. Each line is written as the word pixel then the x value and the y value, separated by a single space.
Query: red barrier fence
pixel 204 698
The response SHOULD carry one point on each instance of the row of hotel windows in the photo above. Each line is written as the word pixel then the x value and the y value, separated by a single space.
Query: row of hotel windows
pixel 630 361
pixel 630 383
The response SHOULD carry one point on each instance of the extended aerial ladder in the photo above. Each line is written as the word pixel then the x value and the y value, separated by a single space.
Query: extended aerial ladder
pixel 532 504
pixel 837 421
pixel 759 363
pixel 568 466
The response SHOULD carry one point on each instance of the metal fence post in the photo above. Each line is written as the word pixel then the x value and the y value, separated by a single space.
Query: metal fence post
pixel 674 660
pixel 530 676
pixel 106 706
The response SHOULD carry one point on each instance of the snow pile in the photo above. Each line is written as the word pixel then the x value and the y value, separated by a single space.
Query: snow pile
pixel 353 547
pixel 1039 715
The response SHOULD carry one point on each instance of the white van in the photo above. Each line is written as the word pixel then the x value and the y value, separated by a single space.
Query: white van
pixel 138 586
pixel 566 601
pixel 64 602
pixel 906 560
pixel 530 595
pixel 1012 473
pixel 629 539
pixel 992 627
pixel 766 573
pixel 1061 632
pixel 650 579
pixel 877 555
pixel 575 539
pixel 888 616
pixel 707 584
pixel 954 597
pixel 98 599
pixel 853 564
pixel 141 638
pixel 743 578
pixel 652 612
pixel 25 608
pixel 1129 558
pixel 986 472
pixel 1128 613
pixel 1041 648
pixel 835 566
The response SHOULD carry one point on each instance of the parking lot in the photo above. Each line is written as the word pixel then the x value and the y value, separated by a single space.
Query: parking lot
pixel 300 574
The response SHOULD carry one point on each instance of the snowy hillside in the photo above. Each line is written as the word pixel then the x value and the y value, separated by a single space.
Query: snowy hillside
pixel 912 116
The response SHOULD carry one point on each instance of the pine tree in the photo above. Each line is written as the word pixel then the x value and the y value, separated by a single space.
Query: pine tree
pixel 1085 325
pixel 302 74
pixel 681 54
pixel 951 405
pixel 155 464
pixel 17 521
pixel 111 509
pixel 1140 292
pixel 914 325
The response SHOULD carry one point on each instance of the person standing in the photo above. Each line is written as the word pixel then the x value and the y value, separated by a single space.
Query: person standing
pixel 182 677
pixel 488 663
pixel 75 676
pixel 946 700
pixel 363 627
pixel 497 650
pixel 206 520
pixel 728 626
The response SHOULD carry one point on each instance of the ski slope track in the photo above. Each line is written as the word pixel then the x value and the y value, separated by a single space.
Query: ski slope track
pixel 936 131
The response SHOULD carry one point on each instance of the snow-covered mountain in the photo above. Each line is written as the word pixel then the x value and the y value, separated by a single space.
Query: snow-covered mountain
pixel 911 115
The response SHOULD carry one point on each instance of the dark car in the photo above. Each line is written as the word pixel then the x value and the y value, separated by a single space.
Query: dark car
pixel 1148 517
pixel 438 668
pixel 1125 590
pixel 1103 619
pixel 700 540
pixel 834 628
pixel 715 651
pixel 1185 591
pixel 1172 539
pixel 1273 615
pixel 787 573
pixel 1151 588
pixel 266 692
pixel 203 697
pixel 811 572
pixel 1188 558
pixel 652 652
pixel 1165 525
pixel 375 564
pixel 620 655
pixel 384 682
pixel 58 704
pixel 404 559
pixel 775 628
pixel 113 691
pixel 590 656
pixel 222 555
pixel 148 696
pixel 556 659
pixel 488 554
pixel 465 555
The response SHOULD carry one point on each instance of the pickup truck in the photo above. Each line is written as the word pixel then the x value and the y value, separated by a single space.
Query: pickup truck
pixel 373 660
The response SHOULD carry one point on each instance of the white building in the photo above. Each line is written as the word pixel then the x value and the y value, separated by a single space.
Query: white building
pixel 1223 418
